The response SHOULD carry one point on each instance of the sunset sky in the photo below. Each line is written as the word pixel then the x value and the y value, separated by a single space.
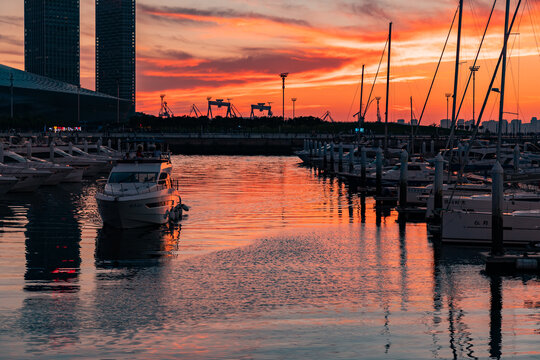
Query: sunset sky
pixel 236 49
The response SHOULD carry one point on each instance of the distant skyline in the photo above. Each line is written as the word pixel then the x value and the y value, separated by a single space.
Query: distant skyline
pixel 189 50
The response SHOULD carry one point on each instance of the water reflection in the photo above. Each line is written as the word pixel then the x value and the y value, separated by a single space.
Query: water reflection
pixel 495 317
pixel 135 247
pixel 52 243
pixel 274 261
pixel 49 313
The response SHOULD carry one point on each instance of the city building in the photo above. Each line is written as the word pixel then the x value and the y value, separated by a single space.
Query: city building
pixel 51 39
pixel 115 48
pixel 56 102
pixel 490 126
pixel 414 122
pixel 515 126
pixel 445 123
pixel 401 121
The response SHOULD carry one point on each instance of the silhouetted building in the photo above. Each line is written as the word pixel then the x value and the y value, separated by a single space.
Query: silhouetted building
pixel 115 48
pixel 38 97
pixel 51 39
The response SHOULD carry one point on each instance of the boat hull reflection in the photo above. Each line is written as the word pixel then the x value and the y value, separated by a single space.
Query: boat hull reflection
pixel 135 247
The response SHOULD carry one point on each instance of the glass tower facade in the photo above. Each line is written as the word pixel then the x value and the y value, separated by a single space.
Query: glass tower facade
pixel 51 39
pixel 115 48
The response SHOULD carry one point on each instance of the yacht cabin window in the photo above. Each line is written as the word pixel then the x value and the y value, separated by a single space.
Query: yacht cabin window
pixel 133 177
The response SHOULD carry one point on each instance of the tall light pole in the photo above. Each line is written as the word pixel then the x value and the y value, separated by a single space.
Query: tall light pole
pixel 448 95
pixel 283 76
pixel 473 69
pixel 11 92
pixel 293 102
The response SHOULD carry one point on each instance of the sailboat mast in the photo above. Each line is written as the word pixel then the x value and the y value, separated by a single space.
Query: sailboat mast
pixel 360 115
pixel 412 130
pixel 456 74
pixel 503 81
pixel 387 87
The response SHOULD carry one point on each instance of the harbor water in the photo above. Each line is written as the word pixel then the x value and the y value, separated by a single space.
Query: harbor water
pixel 273 261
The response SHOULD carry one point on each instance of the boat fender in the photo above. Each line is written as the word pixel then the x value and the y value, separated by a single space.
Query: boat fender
pixel 175 213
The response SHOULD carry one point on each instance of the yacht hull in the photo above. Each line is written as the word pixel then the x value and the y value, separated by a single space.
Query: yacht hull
pixel 127 212
pixel 475 228
pixel 75 176
pixel 28 183
pixel 6 184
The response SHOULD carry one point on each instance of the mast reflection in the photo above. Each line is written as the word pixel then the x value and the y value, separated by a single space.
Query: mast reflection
pixel 495 317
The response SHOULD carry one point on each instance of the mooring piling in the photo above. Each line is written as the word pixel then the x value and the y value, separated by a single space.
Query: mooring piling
pixel 378 175
pixel 403 174
pixel 363 162
pixel 496 210
pixel 438 189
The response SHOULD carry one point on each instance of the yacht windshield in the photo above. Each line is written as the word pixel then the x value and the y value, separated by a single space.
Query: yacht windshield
pixel 132 177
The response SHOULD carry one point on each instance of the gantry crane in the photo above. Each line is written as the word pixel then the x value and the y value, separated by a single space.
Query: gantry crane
pixel 165 111
pixel 327 115
pixel 195 110
pixel 261 107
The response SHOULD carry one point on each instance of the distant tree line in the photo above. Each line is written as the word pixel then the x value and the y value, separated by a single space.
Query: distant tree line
pixel 141 122
pixel 303 124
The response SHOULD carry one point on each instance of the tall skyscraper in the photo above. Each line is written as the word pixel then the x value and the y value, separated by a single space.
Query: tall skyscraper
pixel 115 48
pixel 51 39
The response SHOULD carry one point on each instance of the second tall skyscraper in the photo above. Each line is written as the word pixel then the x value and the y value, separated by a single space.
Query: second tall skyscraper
pixel 115 48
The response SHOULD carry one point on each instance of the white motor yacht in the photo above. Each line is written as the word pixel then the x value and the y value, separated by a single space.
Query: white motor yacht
pixel 482 203
pixel 7 183
pixel 139 193
pixel 28 179
pixel 91 167
pixel 74 176
pixel 59 173
pixel 520 227
pixel 419 195
pixel 417 173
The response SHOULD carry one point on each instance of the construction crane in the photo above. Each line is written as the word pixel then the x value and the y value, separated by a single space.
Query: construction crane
pixel 327 115
pixel 235 112
pixel 231 110
pixel 195 110
pixel 165 111
pixel 261 107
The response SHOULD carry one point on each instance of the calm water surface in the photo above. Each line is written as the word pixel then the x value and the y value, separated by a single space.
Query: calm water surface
pixel 272 262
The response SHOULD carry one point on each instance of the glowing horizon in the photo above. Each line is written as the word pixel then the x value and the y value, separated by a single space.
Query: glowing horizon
pixel 190 50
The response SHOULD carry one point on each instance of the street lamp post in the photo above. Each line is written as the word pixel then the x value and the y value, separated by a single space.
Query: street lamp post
pixel 293 112
pixel 283 76
pixel 473 69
